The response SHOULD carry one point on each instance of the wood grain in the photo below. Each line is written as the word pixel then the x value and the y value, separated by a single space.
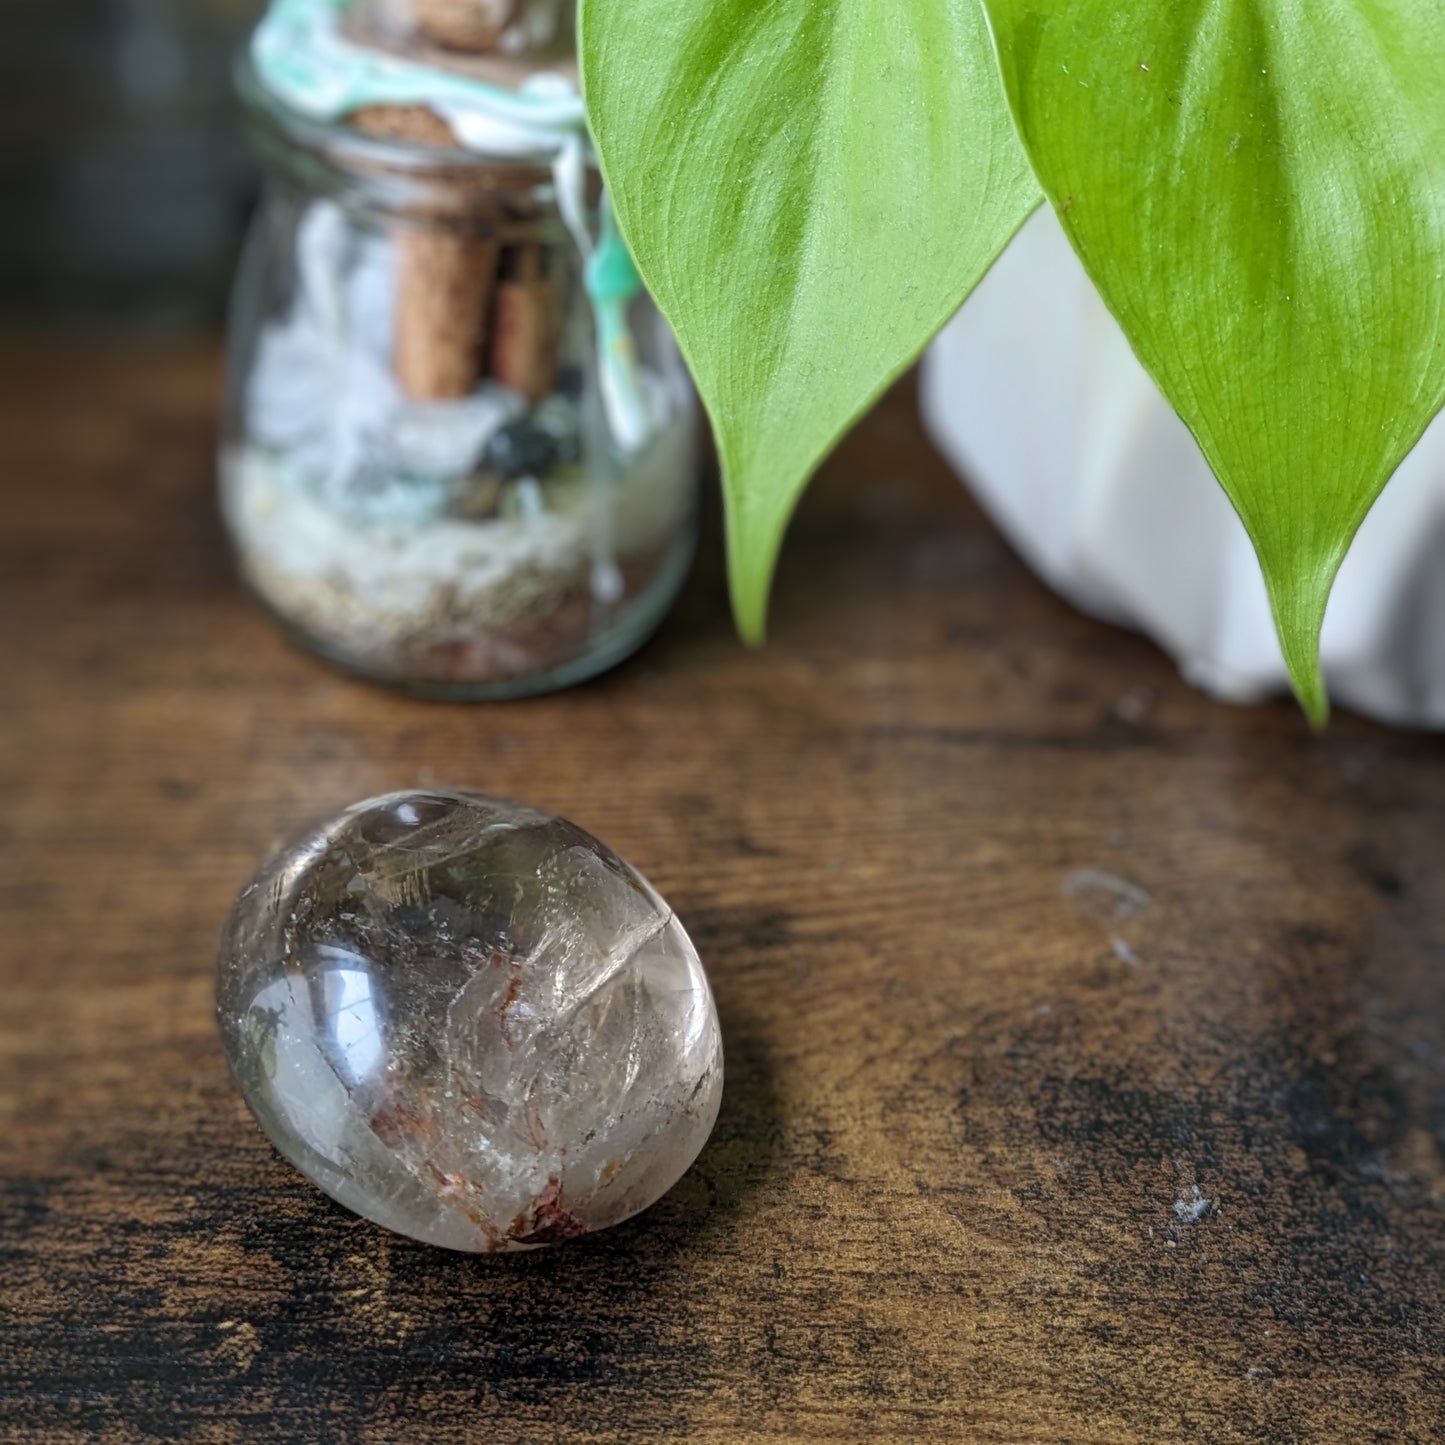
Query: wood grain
pixel 967 1084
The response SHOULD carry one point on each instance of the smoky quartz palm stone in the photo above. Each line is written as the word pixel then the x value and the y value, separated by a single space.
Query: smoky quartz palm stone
pixel 470 1022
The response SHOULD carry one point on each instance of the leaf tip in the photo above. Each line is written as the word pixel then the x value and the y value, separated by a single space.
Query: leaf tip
pixel 749 585
pixel 755 539
pixel 1310 690
pixel 1299 616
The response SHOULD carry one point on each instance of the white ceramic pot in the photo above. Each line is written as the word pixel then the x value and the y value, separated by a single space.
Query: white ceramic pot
pixel 1033 394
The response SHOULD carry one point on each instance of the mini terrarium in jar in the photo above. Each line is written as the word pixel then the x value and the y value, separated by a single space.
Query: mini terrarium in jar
pixel 460 454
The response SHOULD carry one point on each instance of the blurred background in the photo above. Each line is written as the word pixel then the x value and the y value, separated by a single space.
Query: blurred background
pixel 124 172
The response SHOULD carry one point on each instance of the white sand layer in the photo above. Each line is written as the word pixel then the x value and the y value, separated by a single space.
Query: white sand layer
pixel 380 590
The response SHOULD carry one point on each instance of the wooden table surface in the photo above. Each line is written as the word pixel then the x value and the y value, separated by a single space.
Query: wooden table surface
pixel 1009 1151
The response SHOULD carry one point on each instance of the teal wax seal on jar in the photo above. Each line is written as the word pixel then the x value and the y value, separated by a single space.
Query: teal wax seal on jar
pixel 469 1022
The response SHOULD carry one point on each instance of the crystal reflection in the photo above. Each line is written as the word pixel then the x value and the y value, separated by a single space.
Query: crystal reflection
pixel 345 1014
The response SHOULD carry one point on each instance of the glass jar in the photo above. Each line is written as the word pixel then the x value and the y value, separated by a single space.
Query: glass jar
pixel 428 469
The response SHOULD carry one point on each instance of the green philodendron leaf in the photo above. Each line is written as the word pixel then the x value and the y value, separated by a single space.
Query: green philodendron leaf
pixel 810 188
pixel 1257 188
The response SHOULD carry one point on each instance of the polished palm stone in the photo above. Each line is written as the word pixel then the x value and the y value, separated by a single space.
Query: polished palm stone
pixel 470 1022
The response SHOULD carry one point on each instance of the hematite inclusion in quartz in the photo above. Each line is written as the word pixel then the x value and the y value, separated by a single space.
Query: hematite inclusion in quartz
pixel 470 1022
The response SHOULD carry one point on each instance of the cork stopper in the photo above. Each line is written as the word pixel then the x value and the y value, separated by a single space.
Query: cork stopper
pixel 410 124
pixel 466 305
pixel 527 324
pixel 455 31
pixel 467 25
pixel 445 277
